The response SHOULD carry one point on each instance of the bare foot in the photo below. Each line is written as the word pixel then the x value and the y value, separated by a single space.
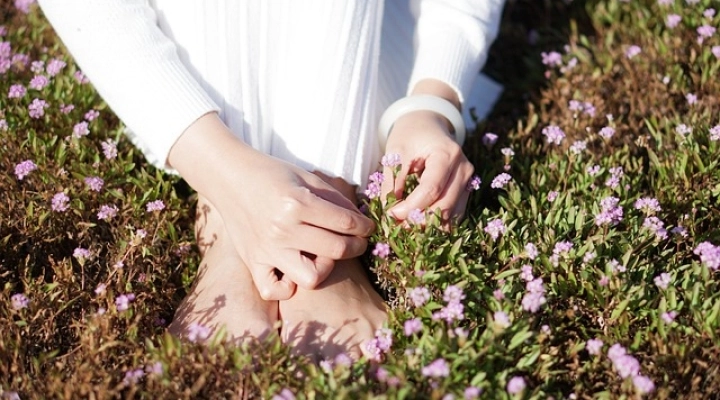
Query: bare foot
pixel 339 315
pixel 223 294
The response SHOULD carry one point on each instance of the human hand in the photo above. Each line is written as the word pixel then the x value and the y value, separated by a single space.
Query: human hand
pixel 277 215
pixel 423 141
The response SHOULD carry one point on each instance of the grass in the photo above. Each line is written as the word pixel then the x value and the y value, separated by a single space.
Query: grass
pixel 601 280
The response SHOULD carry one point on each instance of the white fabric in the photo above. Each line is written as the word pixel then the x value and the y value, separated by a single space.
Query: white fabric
pixel 305 81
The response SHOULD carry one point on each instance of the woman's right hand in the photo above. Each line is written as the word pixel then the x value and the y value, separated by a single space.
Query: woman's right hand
pixel 279 216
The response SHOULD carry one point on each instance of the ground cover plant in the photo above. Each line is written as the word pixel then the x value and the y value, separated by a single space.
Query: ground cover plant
pixel 587 266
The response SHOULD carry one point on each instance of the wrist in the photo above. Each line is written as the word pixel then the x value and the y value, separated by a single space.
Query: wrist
pixel 203 154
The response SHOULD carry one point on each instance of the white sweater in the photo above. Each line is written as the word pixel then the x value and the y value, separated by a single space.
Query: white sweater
pixel 305 81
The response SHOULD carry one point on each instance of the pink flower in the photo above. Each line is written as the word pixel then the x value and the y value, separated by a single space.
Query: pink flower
pixel 100 289
pixel 107 212
pixel 55 66
pixel 643 384
pixel 18 301
pixel 373 190
pixel 526 273
pixel 498 294
pixel 92 114
pixel 489 139
pixel 80 77
pixel 683 130
pixel 500 181
pixel 94 183
pixel 632 51
pixel 604 281
pixel 709 13
pixel 552 196
pixel 607 132
pixel 37 66
pixel 611 213
pixel 412 326
pixel 285 394
pixel 691 98
pixel 553 134
pixel 531 251
pixel 672 20
pixel 709 254
pixel 24 5
pixel 495 228
pixel 39 82
pixel 65 109
pixel 501 319
pixel 80 129
pixel 122 302
pixel 716 51
pixel 436 369
pixel 474 184
pixel 648 205
pixel 82 253
pixel 59 202
pixel 706 31
pixel 24 168
pixel 381 250
pixel 551 59
pixel 669 317
pixel 37 108
pixel 516 385
pixel 471 393
pixel 593 346
pixel 379 345
pixel 419 296
pixel 109 149
pixel 390 160
pixel 16 91
pixel 157 205
pixel 133 376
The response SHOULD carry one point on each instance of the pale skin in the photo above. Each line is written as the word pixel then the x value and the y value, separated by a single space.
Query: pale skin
pixel 258 215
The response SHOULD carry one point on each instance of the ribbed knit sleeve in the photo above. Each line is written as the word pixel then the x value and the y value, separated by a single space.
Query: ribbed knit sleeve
pixel 452 39
pixel 134 67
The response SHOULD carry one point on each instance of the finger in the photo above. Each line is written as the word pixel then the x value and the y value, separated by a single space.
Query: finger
pixel 318 211
pixel 324 243
pixel 433 183
pixel 269 286
pixel 306 270
pixel 453 201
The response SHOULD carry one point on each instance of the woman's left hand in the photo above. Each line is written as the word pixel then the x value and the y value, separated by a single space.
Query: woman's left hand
pixel 427 148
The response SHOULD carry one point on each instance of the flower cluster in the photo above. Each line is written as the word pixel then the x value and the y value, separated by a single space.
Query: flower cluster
pixel 454 309
pixel 610 212
pixel 553 134
pixel 500 181
pixel 709 255
pixel 380 344
pixel 628 366
pixel 495 228
pixel 534 296
pixel 122 302
pixel 24 168
pixel 374 186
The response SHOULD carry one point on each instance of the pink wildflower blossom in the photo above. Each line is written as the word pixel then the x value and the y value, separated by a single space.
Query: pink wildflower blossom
pixel 593 346
pixel 24 168
pixel 82 253
pixel 55 66
pixel 16 91
pixel 607 132
pixel 495 228
pixel 381 250
pixel 39 82
pixel 672 20
pixel 197 332
pixel 157 205
pixel 109 149
pixel 36 109
pixel 500 181
pixel 59 202
pixel 412 326
pixel 390 160
pixel 419 296
pixel 516 385
pixel 709 254
pixel 669 317
pixel 416 217
pixel 91 115
pixel 18 301
pixel 436 369
pixel 501 319
pixel 553 134
pixel 122 302
pixel 80 129
pixel 474 184
pixel 632 51
pixel 94 183
pixel 107 212
pixel 643 384
pixel 489 139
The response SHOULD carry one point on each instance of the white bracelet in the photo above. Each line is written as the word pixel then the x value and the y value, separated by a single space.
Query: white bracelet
pixel 417 103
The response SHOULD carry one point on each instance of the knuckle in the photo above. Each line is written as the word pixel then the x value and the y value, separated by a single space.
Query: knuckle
pixel 309 280
pixel 290 207
pixel 266 293
pixel 339 249
pixel 346 221
pixel 432 191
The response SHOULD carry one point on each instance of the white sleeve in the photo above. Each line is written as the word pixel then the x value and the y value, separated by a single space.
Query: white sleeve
pixel 452 39
pixel 134 67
